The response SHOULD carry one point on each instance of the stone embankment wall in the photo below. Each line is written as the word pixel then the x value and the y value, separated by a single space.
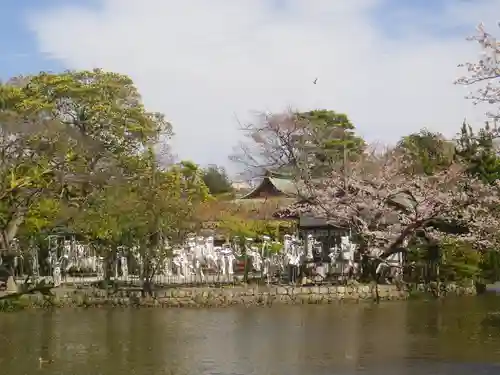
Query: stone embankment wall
pixel 227 296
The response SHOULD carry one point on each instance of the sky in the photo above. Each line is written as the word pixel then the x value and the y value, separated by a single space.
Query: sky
pixel 210 66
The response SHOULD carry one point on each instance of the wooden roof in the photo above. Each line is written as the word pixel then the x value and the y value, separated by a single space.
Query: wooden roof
pixel 273 185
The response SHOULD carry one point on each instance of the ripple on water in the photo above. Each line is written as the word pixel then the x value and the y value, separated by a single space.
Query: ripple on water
pixel 412 338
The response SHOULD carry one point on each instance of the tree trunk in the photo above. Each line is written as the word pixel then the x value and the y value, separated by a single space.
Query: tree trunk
pixel 147 275
pixel 9 232
pixel 246 268
pixel 375 280
pixel 438 280
pixel 109 261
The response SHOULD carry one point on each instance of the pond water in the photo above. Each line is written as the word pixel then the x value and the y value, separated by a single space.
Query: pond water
pixel 403 338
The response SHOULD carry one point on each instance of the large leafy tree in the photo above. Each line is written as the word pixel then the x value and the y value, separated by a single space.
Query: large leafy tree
pixel 65 137
pixel 333 134
pixel 426 152
pixel 480 152
pixel 33 157
pixel 217 180
pixel 153 206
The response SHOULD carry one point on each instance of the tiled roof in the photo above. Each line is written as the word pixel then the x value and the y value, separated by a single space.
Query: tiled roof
pixel 285 186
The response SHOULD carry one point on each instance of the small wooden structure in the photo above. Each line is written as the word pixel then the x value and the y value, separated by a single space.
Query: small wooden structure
pixel 328 235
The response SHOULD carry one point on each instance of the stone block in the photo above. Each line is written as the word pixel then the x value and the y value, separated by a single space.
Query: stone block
pixel 181 293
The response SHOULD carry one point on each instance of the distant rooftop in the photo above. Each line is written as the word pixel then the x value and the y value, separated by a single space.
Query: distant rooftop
pixel 273 185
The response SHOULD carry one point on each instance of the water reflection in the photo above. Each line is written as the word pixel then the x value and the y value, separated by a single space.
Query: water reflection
pixel 435 337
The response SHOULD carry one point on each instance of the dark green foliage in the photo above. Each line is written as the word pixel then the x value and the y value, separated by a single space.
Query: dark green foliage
pixel 217 180
pixel 331 136
pixel 478 151
pixel 460 261
pixel 428 152
pixel 334 133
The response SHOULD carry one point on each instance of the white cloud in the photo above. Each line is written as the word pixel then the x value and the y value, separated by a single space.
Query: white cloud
pixel 204 62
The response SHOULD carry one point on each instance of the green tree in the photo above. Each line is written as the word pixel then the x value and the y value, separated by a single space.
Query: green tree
pixel 34 158
pixel 332 135
pixel 141 214
pixel 217 180
pixel 428 152
pixel 479 152
pixel 65 137
pixel 460 261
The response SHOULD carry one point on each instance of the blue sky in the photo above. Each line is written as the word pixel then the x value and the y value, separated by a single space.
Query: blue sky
pixel 20 53
pixel 18 48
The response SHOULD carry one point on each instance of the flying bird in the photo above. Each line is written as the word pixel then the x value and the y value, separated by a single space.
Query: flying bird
pixel 315 80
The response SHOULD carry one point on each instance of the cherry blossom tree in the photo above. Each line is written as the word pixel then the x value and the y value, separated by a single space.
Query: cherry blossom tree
pixel 386 207
pixel 484 73
pixel 481 148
